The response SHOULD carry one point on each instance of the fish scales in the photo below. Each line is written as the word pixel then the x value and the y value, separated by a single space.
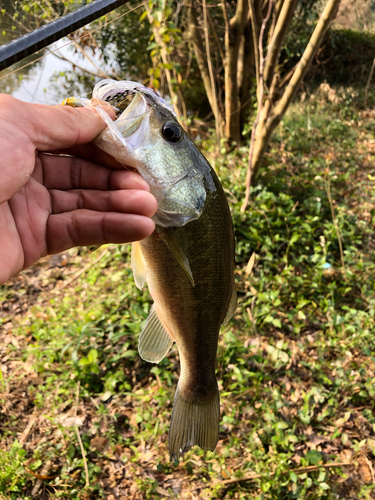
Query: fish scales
pixel 193 315
pixel 188 261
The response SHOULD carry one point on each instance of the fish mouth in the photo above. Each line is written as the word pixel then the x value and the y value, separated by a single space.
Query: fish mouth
pixel 124 135
pixel 133 104
pixel 116 92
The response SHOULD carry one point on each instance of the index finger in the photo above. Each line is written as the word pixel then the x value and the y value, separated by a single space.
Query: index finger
pixel 92 153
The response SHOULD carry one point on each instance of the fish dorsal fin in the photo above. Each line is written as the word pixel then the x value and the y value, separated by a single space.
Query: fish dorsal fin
pixel 138 265
pixel 232 306
pixel 154 341
pixel 174 244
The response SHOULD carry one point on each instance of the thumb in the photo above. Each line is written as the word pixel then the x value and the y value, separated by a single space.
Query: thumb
pixel 60 127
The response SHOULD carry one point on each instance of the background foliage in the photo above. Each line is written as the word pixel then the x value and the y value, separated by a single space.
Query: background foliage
pixel 296 364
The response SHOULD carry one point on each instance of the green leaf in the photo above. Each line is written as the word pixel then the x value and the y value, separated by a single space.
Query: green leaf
pixel 281 425
pixel 293 477
pixel 276 322
pixel 93 356
pixel 314 457
pixel 129 354
pixel 294 238
pixel 308 482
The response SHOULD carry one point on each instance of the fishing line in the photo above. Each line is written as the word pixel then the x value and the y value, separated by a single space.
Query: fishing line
pixel 71 41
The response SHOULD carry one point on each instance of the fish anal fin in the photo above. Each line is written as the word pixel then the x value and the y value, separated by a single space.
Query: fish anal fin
pixel 232 305
pixel 174 244
pixel 193 422
pixel 138 265
pixel 154 341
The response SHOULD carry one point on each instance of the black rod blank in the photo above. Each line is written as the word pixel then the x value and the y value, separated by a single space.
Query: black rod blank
pixel 26 45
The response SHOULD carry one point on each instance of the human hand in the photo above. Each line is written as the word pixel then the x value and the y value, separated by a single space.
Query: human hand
pixel 51 203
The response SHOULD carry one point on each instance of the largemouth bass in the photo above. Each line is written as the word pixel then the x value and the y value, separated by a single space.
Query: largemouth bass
pixel 188 262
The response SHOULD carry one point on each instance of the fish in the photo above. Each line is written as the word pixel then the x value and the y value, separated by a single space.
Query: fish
pixel 187 262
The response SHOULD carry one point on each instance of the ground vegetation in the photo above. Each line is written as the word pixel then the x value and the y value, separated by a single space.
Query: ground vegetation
pixel 82 416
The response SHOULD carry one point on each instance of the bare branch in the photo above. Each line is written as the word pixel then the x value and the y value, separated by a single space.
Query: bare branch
pixel 19 24
pixel 198 45
pixel 225 14
pixel 277 39
pixel 85 54
pixel 260 107
pixel 166 58
pixel 218 43
pixel 233 32
pixel 306 59
pixel 369 80
pixel 209 62
pixel 254 26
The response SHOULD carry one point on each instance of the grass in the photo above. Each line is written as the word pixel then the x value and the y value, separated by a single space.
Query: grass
pixel 296 364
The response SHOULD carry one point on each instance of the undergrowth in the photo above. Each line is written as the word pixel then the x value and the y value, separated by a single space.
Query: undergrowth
pixel 296 364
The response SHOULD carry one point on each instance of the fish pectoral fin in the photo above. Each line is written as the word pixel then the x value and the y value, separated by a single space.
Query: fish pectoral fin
pixel 154 341
pixel 172 241
pixel 138 265
pixel 232 306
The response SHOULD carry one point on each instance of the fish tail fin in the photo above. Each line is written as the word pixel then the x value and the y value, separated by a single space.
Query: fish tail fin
pixel 193 422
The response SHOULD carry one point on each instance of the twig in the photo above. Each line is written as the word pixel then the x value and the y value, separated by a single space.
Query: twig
pixel 82 271
pixel 369 80
pixel 211 73
pixel 315 40
pixel 74 64
pixel 68 43
pixel 80 441
pixel 252 319
pixel 86 55
pixel 218 43
pixel 26 432
pixel 54 53
pixel 370 464
pixel 329 196
pixel 299 470
pixel 44 472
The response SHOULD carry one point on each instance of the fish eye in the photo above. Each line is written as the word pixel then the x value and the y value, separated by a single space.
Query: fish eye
pixel 171 132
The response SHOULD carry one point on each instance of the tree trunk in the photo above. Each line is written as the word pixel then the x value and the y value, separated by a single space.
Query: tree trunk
pixel 234 29
pixel 178 105
pixel 269 114
pixel 200 54
pixel 272 117
pixel 248 74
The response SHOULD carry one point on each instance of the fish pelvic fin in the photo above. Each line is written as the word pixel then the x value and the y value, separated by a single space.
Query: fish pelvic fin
pixel 138 265
pixel 232 306
pixel 194 422
pixel 154 341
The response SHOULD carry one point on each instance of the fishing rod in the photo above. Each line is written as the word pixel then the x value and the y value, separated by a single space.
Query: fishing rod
pixel 26 45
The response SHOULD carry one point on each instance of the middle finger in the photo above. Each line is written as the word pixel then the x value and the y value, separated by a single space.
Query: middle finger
pixel 67 172
pixel 125 201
